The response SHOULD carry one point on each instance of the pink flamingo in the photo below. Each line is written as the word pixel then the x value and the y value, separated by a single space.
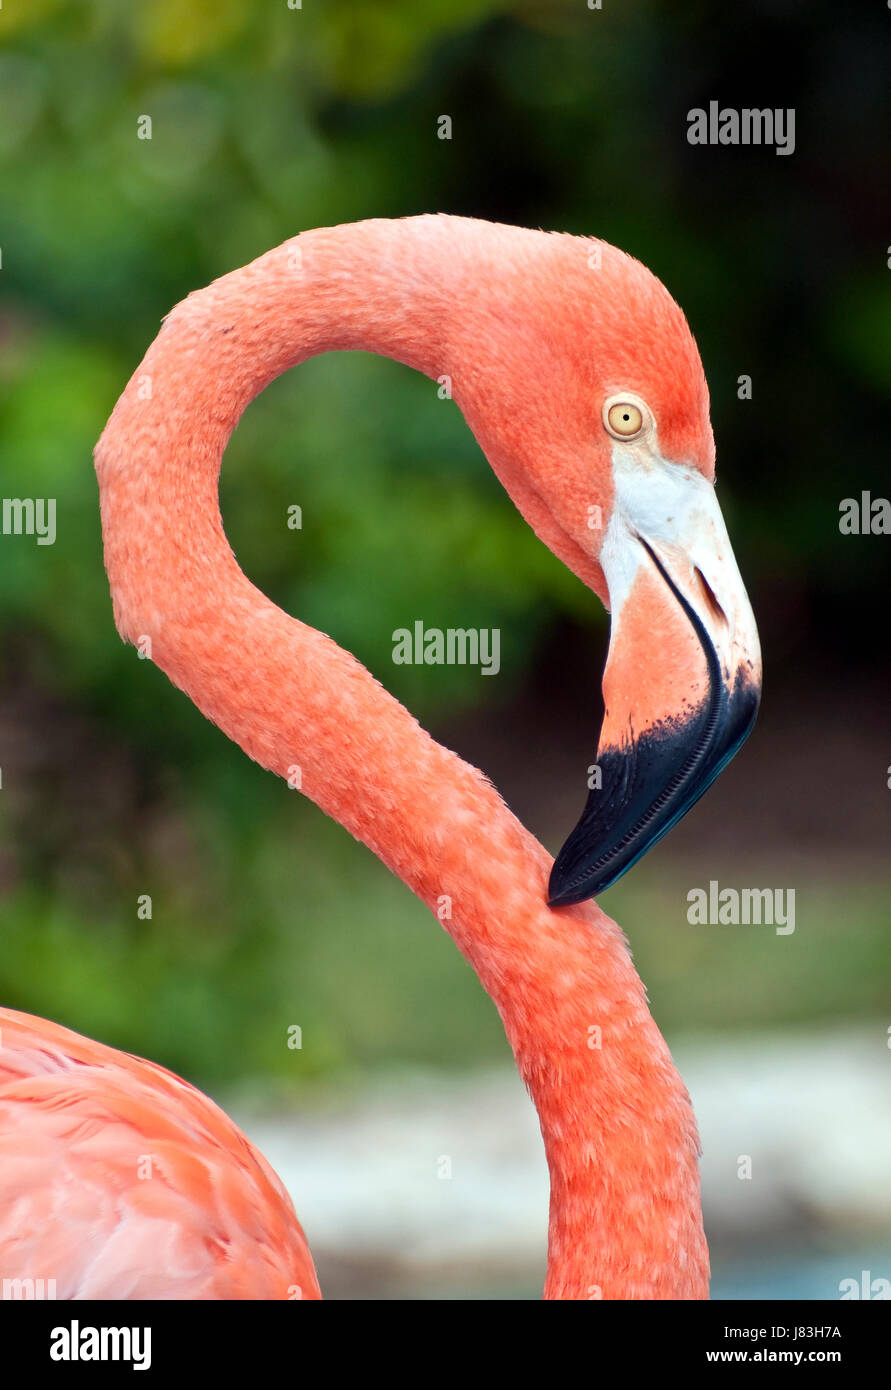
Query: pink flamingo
pixel 580 378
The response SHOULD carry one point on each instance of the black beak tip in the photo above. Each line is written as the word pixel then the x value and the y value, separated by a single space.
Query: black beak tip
pixel 646 789
pixel 571 881
pixel 562 890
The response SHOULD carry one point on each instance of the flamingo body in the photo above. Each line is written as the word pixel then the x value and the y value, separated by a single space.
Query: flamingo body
pixel 119 1180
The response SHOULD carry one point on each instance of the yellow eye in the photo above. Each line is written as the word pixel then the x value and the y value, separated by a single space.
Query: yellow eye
pixel 624 419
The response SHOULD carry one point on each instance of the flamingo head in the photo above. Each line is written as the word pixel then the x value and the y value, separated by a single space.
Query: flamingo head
pixel 592 406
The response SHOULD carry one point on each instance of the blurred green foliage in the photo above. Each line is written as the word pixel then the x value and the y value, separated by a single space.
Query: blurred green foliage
pixel 267 120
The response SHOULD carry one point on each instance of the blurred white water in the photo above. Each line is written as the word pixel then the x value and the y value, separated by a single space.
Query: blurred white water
pixel 420 1184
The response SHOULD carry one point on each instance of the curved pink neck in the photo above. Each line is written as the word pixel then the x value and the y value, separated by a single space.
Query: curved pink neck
pixel 619 1133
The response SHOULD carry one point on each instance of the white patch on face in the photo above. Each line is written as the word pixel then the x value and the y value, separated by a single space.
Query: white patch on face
pixel 675 509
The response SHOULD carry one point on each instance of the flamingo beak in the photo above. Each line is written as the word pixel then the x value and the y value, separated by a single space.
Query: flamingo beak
pixel 682 682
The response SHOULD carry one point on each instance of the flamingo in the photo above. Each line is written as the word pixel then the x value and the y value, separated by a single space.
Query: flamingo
pixel 580 378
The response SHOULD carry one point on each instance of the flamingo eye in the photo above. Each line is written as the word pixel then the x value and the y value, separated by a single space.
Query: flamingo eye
pixel 623 419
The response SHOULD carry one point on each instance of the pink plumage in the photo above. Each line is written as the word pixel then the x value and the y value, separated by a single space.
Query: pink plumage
pixel 536 332
pixel 119 1180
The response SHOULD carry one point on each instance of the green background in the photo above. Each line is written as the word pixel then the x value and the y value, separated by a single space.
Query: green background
pixel 267 121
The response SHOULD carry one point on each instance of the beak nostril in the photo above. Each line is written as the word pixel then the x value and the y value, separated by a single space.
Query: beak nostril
pixel 709 596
